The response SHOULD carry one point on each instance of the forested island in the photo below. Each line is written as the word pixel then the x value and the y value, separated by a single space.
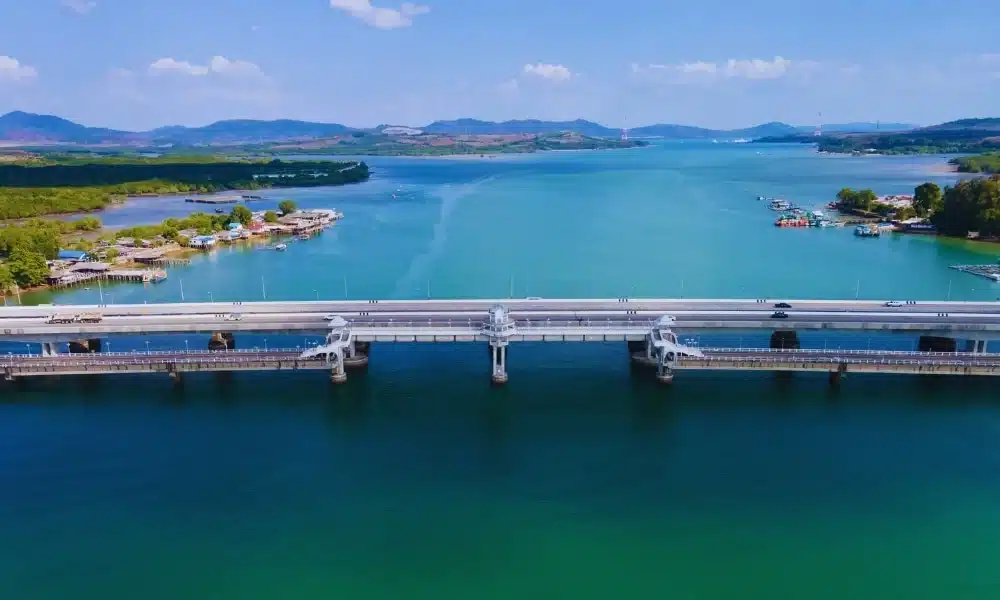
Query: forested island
pixel 955 137
pixel 982 163
pixel 424 144
pixel 38 185
pixel 969 209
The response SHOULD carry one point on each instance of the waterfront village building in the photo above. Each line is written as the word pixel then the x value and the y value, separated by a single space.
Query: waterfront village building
pixel 203 241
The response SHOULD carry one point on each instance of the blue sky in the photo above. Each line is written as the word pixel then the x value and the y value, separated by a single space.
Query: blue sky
pixel 139 64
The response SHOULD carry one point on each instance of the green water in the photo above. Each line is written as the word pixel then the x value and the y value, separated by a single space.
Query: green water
pixel 580 479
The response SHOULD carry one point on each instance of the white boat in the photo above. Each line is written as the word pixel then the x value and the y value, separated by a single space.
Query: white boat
pixel 281 247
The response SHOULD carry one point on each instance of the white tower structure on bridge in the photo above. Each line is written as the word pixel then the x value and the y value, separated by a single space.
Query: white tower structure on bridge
pixel 625 130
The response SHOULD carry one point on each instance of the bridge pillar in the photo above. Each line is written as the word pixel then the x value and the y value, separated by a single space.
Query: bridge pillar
pixel 221 341
pixel 665 362
pixel 356 354
pixel 498 329
pixel 975 346
pixel 338 346
pixel 338 372
pixel 50 348
pixel 785 339
pixel 933 343
pixel 90 346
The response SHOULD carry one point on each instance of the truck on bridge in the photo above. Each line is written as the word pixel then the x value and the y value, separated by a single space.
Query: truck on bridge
pixel 87 317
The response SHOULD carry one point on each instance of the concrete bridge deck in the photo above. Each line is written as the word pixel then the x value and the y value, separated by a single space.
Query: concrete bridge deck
pixel 350 326
pixel 745 359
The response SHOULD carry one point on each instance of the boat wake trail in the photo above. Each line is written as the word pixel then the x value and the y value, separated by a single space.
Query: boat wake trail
pixel 450 195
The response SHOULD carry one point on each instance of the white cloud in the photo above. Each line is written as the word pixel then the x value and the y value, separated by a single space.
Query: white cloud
pixel 218 65
pixel 757 68
pixel 381 18
pixel 707 72
pixel 168 65
pixel 11 69
pixel 557 73
pixel 171 82
pixel 80 7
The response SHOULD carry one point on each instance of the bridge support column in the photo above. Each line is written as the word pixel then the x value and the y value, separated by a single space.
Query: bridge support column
pixel 221 341
pixel 89 346
pixel 665 362
pixel 933 343
pixel 338 373
pixel 50 348
pixel 498 329
pixel 975 346
pixel 339 345
pixel 499 374
pixel 785 340
pixel 356 355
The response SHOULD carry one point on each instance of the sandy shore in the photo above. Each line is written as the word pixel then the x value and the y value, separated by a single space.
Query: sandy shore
pixel 942 168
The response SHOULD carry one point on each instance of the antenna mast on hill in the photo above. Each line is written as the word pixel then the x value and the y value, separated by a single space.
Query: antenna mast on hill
pixel 819 126
pixel 625 130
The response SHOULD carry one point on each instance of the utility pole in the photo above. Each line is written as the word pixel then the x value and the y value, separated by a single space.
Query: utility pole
pixel 182 290
pixel 263 290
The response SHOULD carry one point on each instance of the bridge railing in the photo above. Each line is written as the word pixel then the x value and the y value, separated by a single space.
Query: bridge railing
pixel 838 352
pixel 151 353
pixel 809 360
pixel 840 360
pixel 478 324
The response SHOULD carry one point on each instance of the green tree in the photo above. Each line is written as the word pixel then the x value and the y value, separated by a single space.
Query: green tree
pixel 7 282
pixel 183 241
pixel 27 267
pixel 270 217
pixel 112 254
pixel 287 207
pixel 241 215
pixel 866 199
pixel 846 197
pixel 927 198
pixel 971 205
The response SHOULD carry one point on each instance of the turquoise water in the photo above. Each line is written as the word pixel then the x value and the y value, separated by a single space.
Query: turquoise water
pixel 580 478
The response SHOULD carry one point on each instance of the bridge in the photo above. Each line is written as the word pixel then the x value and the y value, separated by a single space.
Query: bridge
pixel 648 326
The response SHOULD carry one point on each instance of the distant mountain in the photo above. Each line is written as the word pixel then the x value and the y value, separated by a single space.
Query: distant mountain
pixel 981 125
pixel 246 130
pixel 953 137
pixel 27 127
pixel 861 127
pixel 589 128
pixel 477 127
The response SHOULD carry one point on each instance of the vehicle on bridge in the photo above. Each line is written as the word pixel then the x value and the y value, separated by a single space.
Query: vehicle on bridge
pixel 779 315
pixel 782 305
pixel 65 319
pixel 893 304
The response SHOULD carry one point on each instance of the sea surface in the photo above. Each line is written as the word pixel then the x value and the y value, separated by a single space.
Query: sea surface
pixel 581 478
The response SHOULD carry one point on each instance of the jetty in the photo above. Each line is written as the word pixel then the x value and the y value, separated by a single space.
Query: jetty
pixel 991 272
pixel 223 199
